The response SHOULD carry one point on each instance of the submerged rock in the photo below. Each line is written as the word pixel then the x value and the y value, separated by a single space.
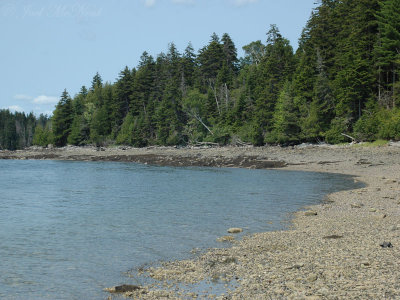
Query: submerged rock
pixel 226 238
pixel 235 230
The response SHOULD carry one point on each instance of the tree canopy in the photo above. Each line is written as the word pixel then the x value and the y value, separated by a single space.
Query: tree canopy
pixel 342 79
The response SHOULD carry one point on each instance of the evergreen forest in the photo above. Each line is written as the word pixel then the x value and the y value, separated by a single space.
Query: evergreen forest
pixel 343 80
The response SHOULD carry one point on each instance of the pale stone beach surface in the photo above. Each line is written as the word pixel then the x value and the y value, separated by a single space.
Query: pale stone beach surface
pixel 348 247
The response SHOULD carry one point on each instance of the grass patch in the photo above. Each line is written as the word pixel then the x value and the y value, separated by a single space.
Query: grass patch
pixel 377 143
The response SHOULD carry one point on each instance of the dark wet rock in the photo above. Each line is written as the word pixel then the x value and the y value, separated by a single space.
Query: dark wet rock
pixel 333 237
pixel 328 162
pixel 363 161
pixel 125 288
pixel 155 159
pixel 386 245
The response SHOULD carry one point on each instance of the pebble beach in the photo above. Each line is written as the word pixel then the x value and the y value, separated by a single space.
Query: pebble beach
pixel 347 247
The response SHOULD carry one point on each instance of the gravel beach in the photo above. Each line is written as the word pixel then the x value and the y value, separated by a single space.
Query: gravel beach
pixel 345 248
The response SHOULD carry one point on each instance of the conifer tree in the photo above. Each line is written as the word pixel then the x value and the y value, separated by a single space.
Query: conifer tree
pixel 387 51
pixel 123 93
pixel 276 67
pixel 230 52
pixel 62 119
pixel 188 66
pixel 97 81
pixel 285 123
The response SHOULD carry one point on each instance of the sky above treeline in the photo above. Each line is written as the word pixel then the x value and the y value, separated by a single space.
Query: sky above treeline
pixel 49 46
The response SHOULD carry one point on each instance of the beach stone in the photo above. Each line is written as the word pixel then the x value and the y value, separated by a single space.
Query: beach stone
pixel 356 205
pixel 365 263
pixel 372 209
pixel 323 291
pixel 312 278
pixel 297 266
pixel 310 213
pixel 235 230
pixel 279 291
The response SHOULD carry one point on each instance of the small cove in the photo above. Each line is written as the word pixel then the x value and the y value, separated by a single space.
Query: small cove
pixel 69 229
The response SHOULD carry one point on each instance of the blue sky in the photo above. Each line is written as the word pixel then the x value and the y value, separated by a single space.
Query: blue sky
pixel 47 46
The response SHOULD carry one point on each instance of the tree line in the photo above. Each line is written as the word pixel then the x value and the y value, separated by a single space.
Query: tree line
pixel 342 80
pixel 16 129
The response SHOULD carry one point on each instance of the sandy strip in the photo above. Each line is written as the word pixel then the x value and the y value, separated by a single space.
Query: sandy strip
pixel 331 252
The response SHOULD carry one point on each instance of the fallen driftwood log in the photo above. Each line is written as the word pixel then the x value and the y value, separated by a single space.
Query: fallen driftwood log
pixel 350 137
pixel 197 144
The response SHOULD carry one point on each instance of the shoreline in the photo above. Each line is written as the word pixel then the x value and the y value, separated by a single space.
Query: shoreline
pixel 333 254
pixel 161 156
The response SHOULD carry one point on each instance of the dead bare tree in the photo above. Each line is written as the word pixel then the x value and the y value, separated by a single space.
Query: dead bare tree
pixel 211 83
pixel 198 118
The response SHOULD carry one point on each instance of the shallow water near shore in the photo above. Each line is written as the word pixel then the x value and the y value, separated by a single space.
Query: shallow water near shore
pixel 70 229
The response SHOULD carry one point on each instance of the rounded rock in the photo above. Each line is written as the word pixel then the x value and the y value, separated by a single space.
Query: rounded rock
pixel 235 230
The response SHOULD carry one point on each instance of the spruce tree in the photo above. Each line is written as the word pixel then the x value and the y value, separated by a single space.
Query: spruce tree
pixel 387 51
pixel 62 119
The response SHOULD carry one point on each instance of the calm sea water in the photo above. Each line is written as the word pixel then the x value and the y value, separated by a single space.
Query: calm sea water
pixel 70 229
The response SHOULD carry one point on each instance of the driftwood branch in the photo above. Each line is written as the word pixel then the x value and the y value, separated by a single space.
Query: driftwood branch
pixel 206 144
pixel 239 142
pixel 350 137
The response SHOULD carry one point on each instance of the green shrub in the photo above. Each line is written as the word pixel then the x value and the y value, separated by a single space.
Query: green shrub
pixel 334 134
pixel 389 124
pixel 366 128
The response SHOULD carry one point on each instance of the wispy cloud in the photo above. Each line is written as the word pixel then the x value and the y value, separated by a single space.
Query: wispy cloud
pixel 184 2
pixel 52 10
pixel 22 97
pixel 43 99
pixel 42 103
pixel 149 3
pixel 15 108
pixel 40 110
pixel 152 3
pixel 244 2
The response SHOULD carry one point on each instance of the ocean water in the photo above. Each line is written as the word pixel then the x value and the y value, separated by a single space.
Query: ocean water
pixel 70 229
